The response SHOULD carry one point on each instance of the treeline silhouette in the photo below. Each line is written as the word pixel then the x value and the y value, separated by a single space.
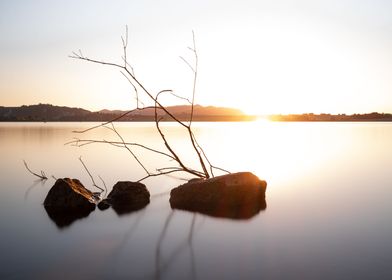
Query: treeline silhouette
pixel 370 117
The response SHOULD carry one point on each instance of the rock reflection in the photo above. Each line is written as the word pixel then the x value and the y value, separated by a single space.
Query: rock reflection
pixel 235 212
pixel 127 209
pixel 64 217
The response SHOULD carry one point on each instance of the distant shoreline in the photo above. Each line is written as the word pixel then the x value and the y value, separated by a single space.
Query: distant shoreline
pixel 51 113
pixel 246 119
pixel 371 117
pixel 196 121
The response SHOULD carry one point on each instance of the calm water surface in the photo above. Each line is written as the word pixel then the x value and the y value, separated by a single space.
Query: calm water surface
pixel 328 212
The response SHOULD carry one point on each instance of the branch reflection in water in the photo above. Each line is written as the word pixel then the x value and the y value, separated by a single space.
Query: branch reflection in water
pixel 162 263
pixel 35 184
pixel 160 266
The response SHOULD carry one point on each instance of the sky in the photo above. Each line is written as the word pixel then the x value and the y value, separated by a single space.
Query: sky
pixel 263 57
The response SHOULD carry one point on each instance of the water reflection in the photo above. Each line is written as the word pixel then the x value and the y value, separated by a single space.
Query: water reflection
pixel 35 184
pixel 230 211
pixel 162 266
pixel 127 209
pixel 124 209
pixel 64 217
pixel 117 250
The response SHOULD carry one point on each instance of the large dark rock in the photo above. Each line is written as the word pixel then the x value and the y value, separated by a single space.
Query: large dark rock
pixel 67 201
pixel 236 196
pixel 69 193
pixel 127 197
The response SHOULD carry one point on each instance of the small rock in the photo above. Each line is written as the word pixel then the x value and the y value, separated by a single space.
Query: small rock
pixel 127 197
pixel 236 196
pixel 103 205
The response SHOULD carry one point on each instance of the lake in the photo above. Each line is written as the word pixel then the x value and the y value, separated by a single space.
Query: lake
pixel 328 213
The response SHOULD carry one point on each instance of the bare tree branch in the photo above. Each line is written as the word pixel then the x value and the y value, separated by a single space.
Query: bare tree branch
pixel 178 160
pixel 127 71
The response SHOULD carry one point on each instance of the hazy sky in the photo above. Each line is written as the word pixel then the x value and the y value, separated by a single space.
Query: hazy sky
pixel 275 56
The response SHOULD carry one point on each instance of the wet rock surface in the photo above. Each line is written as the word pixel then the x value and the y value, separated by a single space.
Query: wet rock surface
pixel 235 196
pixel 68 200
pixel 126 197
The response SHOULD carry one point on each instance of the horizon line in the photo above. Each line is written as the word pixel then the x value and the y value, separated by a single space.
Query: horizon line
pixel 216 106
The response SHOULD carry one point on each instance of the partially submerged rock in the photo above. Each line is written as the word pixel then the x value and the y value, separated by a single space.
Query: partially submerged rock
pixel 236 196
pixel 103 205
pixel 69 193
pixel 126 197
pixel 67 201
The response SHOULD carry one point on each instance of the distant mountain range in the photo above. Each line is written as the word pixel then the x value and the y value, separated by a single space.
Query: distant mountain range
pixel 48 112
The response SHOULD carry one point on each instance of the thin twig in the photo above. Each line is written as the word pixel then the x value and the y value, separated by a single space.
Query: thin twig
pixel 88 172
pixel 42 176
pixel 128 149
pixel 104 184
pixel 84 142
pixel 162 173
pixel 194 76
pixel 113 120
pixel 187 63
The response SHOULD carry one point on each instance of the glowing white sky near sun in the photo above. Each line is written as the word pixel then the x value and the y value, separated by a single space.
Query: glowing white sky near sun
pixel 260 56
